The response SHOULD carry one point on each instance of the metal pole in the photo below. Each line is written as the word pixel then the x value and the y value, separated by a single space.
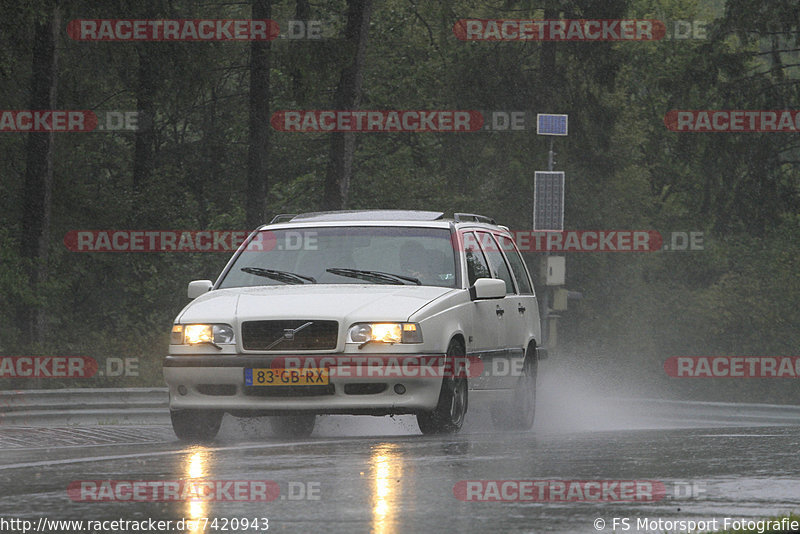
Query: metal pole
pixel 546 299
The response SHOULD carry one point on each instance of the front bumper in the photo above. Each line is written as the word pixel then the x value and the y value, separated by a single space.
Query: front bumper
pixel 216 382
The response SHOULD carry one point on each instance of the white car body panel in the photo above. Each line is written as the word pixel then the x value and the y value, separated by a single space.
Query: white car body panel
pixel 442 314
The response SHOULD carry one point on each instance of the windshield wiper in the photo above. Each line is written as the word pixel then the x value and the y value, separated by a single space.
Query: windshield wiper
pixel 281 276
pixel 375 276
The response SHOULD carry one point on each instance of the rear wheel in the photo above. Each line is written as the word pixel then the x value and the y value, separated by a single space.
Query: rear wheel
pixel 518 414
pixel 293 426
pixel 196 425
pixel 449 414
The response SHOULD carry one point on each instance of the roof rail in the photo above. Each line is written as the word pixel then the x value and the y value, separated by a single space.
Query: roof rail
pixel 459 217
pixel 283 217
pixel 369 215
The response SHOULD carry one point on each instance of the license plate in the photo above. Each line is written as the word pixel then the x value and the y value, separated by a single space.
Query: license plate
pixel 286 377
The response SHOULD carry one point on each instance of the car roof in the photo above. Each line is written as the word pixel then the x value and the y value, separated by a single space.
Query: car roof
pixel 368 215
pixel 382 217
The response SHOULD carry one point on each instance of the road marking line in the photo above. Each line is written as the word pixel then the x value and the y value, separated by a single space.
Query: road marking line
pixel 164 453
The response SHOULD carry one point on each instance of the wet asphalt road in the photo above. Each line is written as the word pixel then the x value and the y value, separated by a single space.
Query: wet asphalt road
pixel 364 474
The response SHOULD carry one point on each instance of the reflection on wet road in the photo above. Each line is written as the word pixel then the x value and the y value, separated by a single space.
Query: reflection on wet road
pixel 348 479
pixel 688 460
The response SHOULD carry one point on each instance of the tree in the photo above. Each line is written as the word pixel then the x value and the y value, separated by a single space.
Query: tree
pixel 147 81
pixel 347 96
pixel 38 186
pixel 259 133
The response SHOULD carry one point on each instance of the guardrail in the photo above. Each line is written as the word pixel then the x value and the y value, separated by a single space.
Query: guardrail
pixel 723 413
pixel 84 405
pixel 148 406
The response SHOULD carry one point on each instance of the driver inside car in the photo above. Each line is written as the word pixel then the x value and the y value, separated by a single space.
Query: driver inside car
pixel 424 264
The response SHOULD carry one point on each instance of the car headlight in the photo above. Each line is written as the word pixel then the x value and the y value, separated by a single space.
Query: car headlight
pixel 385 333
pixel 192 334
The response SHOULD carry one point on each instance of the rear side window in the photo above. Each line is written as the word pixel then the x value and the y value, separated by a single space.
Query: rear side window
pixel 497 264
pixel 476 262
pixel 517 265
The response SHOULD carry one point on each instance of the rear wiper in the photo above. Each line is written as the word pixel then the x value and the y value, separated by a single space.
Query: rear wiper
pixel 281 276
pixel 375 276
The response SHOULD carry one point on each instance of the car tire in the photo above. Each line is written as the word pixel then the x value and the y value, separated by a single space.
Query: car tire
pixel 293 426
pixel 520 412
pixel 196 425
pixel 449 414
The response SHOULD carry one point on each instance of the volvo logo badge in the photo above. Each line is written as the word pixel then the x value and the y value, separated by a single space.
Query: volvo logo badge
pixel 289 333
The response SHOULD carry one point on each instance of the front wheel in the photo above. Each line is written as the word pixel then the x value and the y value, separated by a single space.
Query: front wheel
pixel 196 425
pixel 449 414
pixel 293 426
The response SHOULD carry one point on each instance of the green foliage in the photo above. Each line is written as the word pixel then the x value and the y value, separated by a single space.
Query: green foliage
pixel 624 169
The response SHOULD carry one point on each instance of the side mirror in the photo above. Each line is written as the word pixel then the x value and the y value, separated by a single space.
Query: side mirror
pixel 487 288
pixel 198 287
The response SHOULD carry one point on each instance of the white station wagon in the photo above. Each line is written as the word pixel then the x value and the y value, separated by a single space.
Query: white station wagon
pixel 373 312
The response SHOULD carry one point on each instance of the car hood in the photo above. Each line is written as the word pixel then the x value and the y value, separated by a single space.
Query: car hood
pixel 343 302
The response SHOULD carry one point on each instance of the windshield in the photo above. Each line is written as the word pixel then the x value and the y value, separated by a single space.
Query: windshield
pixel 347 255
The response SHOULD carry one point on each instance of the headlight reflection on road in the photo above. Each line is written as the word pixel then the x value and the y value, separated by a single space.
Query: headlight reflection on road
pixel 387 469
pixel 197 468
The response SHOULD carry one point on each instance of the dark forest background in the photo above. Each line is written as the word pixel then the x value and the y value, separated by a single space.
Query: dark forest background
pixel 207 158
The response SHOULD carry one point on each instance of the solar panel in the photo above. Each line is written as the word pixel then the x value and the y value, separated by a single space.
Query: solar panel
pixel 551 124
pixel 548 201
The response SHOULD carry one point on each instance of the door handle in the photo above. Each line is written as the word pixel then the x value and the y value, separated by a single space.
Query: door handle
pixel 500 311
pixel 521 309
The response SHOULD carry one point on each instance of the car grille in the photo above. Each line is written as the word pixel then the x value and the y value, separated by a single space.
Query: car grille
pixel 319 335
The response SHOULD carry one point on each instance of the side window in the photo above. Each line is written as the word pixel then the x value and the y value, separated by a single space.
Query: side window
pixel 476 263
pixel 517 265
pixel 497 264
